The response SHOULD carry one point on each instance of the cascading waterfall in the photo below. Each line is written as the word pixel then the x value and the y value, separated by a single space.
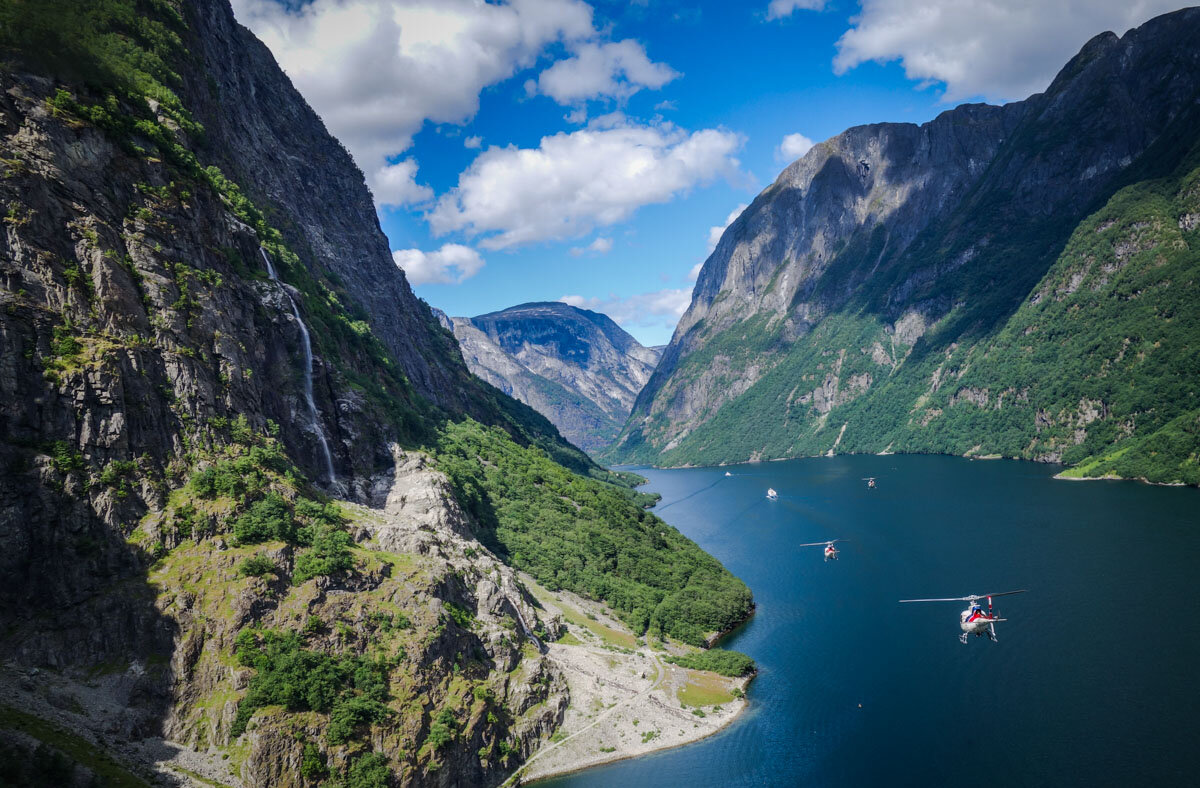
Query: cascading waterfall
pixel 313 415
pixel 504 587
pixel 525 628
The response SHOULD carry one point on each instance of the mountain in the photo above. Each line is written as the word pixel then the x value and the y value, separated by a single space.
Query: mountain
pixel 259 521
pixel 576 367
pixel 1016 281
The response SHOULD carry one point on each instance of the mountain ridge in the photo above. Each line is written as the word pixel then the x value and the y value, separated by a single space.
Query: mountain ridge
pixel 575 366
pixel 891 244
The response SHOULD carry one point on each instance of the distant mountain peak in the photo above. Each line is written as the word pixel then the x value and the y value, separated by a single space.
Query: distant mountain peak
pixel 577 367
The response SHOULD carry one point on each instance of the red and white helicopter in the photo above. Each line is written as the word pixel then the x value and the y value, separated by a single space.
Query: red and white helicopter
pixel 974 620
pixel 831 552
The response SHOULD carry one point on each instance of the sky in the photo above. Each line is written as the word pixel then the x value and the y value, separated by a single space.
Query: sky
pixel 593 152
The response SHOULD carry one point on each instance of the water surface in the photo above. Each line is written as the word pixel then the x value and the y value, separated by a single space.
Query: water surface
pixel 1094 680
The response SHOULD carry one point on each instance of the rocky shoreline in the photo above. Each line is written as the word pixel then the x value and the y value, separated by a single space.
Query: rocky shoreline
pixel 626 699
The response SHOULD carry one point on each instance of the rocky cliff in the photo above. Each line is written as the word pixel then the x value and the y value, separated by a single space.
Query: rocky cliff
pixel 233 525
pixel 840 310
pixel 576 367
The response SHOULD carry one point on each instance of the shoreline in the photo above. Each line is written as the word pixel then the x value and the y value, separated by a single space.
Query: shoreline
pixel 542 778
pixel 626 699
pixel 1057 476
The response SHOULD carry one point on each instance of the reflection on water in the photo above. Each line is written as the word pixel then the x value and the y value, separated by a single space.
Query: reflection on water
pixel 1091 683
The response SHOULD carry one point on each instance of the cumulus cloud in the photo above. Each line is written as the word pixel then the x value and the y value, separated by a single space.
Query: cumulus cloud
pixel 473 142
pixel 660 308
pixel 450 265
pixel 573 183
pixel 598 246
pixel 715 233
pixel 614 70
pixel 997 50
pixel 396 184
pixel 376 70
pixel 793 147
pixel 778 9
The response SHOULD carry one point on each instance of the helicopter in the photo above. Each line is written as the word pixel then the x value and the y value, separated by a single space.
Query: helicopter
pixel 870 480
pixel 973 620
pixel 831 552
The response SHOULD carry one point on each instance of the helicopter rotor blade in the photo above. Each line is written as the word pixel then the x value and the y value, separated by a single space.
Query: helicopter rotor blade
pixel 969 598
pixel 1002 593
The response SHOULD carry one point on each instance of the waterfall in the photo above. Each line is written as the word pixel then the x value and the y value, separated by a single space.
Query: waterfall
pixel 525 628
pixel 313 416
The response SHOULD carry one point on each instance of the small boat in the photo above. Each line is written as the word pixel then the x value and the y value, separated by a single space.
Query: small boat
pixel 771 494
pixel 727 473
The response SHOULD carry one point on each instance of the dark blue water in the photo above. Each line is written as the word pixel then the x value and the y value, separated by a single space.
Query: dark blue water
pixel 1095 680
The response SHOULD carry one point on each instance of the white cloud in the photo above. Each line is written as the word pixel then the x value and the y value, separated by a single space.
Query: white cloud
pixel 598 246
pixel 450 265
pixel 793 147
pixel 395 184
pixel 473 142
pixel 613 70
pixel 714 233
pixel 573 183
pixel 694 274
pixel 376 70
pixel 778 9
pixel 660 308
pixel 998 50
pixel 577 116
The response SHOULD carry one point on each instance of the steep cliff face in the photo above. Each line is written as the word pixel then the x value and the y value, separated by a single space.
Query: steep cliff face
pixel 205 347
pixel 263 135
pixel 890 253
pixel 222 423
pixel 576 367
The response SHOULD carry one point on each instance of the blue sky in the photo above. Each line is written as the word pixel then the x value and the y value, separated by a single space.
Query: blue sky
pixel 534 150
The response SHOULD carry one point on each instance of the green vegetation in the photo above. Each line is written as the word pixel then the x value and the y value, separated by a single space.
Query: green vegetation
pixel 256 566
pixel 588 537
pixel 702 690
pixel 251 490
pixel 351 689
pixel 717 660
pixel 442 730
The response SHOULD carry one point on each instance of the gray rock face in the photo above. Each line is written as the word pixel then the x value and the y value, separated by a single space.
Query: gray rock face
pixel 574 366
pixel 265 136
pixel 908 223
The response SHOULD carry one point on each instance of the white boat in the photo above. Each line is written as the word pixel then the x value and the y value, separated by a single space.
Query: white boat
pixel 727 473
pixel 771 493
